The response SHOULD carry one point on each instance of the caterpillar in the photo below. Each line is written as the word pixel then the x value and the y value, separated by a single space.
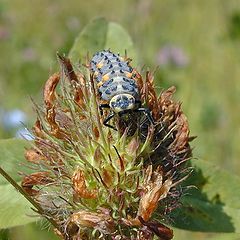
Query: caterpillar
pixel 116 84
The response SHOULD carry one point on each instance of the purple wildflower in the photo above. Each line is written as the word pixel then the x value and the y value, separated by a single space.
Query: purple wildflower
pixel 174 55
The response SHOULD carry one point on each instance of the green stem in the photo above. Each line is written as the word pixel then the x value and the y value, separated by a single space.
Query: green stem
pixel 26 195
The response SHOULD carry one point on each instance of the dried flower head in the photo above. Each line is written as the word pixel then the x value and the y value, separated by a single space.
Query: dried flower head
pixel 95 182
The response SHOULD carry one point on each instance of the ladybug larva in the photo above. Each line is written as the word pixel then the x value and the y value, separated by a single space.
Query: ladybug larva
pixel 116 85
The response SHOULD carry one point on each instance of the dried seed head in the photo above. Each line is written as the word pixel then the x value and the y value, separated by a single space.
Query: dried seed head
pixel 99 183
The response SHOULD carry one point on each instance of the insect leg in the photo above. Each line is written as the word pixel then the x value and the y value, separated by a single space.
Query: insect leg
pixel 148 114
pixel 101 106
pixel 139 103
pixel 106 120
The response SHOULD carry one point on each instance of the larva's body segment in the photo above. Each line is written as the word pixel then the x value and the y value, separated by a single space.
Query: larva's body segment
pixel 116 84
pixel 113 75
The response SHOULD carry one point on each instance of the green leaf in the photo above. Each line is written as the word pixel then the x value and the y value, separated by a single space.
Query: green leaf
pixel 214 205
pixel 15 210
pixel 32 231
pixel 12 158
pixel 99 35
pixel 182 234
pixel 226 236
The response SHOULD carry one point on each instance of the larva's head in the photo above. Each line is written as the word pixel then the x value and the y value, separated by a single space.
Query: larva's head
pixel 122 102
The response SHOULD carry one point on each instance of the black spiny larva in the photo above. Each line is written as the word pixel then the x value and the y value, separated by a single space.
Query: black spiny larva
pixel 116 85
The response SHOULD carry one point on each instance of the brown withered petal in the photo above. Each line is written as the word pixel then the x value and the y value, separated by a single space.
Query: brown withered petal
pixel 139 80
pixel 133 147
pixel 49 89
pixel 63 120
pixel 97 155
pixel 68 69
pixel 107 177
pixel 147 92
pixel 37 129
pixel 77 80
pixel 79 91
pixel 96 132
pixel 153 190
pixel 38 178
pixel 35 179
pixel 182 136
pixel 55 128
pixel 32 155
pixel 100 221
pixel 151 95
pixel 79 186
pixel 165 97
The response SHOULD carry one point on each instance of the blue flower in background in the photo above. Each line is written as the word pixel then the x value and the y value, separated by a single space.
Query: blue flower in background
pixel 23 133
pixel 13 119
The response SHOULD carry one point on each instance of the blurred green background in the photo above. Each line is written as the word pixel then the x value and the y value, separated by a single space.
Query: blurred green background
pixel 194 44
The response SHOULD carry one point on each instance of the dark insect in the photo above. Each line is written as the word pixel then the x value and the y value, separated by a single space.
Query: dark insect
pixel 116 86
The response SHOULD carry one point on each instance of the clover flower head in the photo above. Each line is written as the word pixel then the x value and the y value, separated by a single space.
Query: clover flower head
pixel 94 182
